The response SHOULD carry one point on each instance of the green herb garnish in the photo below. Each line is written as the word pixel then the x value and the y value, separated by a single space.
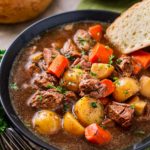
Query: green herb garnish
pixel 111 58
pixel 71 58
pixel 132 106
pixel 93 74
pixel 13 86
pixel 115 78
pixel 57 88
pixel 94 105
pixel 3 123
pixel 83 52
pixel 65 107
pixel 126 92
pixel 118 61
pixel 49 86
pixel 2 52
pixel 82 41
pixel 78 66
pixel 60 89
pixel 40 98
pixel 104 127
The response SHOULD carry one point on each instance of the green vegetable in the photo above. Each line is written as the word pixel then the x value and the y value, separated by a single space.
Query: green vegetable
pixel 94 105
pixel 82 41
pixel 111 58
pixel 78 66
pixel 40 98
pixel 126 92
pixel 3 122
pixel 2 52
pixel 13 86
pixel 58 88
pixel 118 61
pixel 71 58
pixel 132 106
pixel 65 107
pixel 93 74
pixel 83 52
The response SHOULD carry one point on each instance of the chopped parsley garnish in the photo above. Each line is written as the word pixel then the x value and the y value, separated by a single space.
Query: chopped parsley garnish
pixel 78 66
pixel 40 98
pixel 83 52
pixel 139 132
pixel 3 123
pixel 94 105
pixel 2 52
pixel 71 58
pixel 58 88
pixel 93 74
pixel 115 78
pixel 111 58
pixel 49 86
pixel 13 86
pixel 82 41
pixel 65 107
pixel 118 61
pixel 132 106
pixel 104 127
pixel 126 92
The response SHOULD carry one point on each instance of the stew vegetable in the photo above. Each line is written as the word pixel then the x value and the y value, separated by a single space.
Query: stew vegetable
pixel 71 88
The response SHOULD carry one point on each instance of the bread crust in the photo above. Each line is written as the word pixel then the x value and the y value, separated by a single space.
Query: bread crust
pixel 15 11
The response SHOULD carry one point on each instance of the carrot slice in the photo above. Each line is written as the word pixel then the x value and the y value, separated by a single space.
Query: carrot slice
pixel 137 67
pixel 110 87
pixel 100 53
pixel 95 134
pixel 96 32
pixel 58 65
pixel 142 57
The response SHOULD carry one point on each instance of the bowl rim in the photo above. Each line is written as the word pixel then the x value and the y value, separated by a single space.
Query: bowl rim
pixel 14 119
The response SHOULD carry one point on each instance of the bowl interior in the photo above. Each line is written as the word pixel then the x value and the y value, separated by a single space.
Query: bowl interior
pixel 26 37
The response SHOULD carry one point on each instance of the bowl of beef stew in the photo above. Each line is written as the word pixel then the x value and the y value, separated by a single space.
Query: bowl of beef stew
pixel 65 87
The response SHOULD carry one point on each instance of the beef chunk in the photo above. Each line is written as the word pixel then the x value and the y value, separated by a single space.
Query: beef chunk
pixel 83 40
pixel 43 80
pixel 49 54
pixel 121 114
pixel 108 123
pixel 92 87
pixel 45 99
pixel 70 50
pixel 83 63
pixel 126 66
pixel 70 96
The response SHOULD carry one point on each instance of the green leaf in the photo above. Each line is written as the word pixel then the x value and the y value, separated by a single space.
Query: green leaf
pixel 94 105
pixel 13 86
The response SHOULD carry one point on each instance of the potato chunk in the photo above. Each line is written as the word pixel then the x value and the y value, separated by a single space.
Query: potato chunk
pixel 125 88
pixel 71 125
pixel 138 105
pixel 145 86
pixel 71 79
pixel 46 122
pixel 88 111
pixel 101 70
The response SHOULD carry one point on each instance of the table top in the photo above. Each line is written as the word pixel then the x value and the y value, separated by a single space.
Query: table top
pixel 9 32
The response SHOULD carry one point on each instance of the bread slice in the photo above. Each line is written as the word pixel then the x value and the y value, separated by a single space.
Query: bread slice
pixel 131 31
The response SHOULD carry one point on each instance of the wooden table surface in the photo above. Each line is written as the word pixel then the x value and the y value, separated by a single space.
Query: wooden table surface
pixel 9 32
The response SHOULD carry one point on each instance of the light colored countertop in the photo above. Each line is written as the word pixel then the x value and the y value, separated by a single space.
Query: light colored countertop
pixel 9 32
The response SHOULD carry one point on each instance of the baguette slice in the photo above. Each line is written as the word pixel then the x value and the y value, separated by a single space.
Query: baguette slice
pixel 131 31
